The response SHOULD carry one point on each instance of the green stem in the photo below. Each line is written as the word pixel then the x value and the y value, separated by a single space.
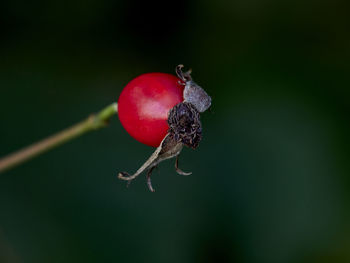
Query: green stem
pixel 93 122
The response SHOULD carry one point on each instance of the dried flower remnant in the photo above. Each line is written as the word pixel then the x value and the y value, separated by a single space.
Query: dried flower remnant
pixel 193 93
pixel 185 125
pixel 185 128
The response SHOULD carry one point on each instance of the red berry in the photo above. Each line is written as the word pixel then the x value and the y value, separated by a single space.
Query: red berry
pixel 144 104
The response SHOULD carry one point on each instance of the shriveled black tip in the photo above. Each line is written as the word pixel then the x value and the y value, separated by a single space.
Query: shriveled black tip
pixel 184 76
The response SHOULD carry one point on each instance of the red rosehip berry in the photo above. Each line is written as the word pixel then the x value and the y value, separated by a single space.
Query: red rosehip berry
pixel 144 104
pixel 163 111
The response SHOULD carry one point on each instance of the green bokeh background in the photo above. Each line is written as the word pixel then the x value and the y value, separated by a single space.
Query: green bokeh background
pixel 270 179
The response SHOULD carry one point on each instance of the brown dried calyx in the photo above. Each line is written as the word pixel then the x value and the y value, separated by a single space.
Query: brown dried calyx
pixel 185 128
pixel 185 125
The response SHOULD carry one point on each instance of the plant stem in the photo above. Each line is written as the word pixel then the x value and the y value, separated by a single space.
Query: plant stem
pixel 93 122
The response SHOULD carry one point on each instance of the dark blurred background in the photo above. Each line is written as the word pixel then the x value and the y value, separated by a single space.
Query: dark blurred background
pixel 270 179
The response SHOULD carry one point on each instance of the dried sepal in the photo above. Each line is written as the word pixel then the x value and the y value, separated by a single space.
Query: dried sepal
pixel 178 170
pixel 168 148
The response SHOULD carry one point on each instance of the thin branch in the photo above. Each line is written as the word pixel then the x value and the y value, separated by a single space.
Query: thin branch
pixel 93 122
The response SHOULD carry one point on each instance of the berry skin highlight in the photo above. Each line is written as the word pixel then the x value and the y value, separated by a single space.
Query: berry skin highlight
pixel 144 105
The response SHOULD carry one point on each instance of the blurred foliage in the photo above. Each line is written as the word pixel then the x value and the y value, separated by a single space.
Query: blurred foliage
pixel 270 179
